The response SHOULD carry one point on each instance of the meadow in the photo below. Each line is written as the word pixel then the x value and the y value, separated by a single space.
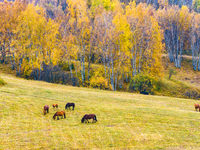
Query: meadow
pixel 125 120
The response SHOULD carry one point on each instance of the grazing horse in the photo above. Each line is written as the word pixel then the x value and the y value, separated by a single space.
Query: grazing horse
pixel 68 105
pixel 90 116
pixel 59 113
pixel 196 106
pixel 46 109
pixel 55 105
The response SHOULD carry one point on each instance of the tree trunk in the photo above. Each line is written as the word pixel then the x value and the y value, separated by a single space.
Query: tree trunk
pixel 112 75
pixel 116 77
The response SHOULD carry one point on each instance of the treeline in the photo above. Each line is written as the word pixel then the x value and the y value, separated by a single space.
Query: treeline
pixel 125 38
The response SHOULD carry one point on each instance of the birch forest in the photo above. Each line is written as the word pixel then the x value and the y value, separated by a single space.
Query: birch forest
pixel 97 43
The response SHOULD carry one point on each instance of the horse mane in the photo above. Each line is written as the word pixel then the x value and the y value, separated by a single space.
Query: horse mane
pixel 54 115
pixel 82 120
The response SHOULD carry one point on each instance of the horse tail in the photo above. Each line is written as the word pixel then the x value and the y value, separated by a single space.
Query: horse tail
pixel 95 117
pixel 73 105
pixel 64 115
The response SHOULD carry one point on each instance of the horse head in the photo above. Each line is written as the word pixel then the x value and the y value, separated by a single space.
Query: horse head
pixel 44 112
pixel 82 120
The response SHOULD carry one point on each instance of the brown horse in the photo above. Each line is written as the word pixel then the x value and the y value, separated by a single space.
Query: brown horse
pixel 59 113
pixel 90 116
pixel 55 105
pixel 196 106
pixel 46 109
pixel 68 105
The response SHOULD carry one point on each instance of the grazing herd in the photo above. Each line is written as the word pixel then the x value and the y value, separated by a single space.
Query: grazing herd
pixel 62 113
pixel 86 117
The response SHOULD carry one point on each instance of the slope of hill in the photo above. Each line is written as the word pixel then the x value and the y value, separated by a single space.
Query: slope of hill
pixel 125 120
pixel 183 84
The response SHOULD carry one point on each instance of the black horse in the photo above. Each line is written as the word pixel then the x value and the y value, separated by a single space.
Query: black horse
pixel 68 105
pixel 90 116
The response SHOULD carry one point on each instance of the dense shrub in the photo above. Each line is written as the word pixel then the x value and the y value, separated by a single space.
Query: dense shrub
pixel 143 83
pixel 192 94
pixel 53 74
pixel 98 80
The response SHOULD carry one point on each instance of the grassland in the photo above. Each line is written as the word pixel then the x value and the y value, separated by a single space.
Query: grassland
pixel 125 120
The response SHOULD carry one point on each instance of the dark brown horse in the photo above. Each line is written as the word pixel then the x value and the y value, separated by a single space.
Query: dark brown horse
pixel 196 106
pixel 68 105
pixel 59 113
pixel 55 105
pixel 90 116
pixel 46 109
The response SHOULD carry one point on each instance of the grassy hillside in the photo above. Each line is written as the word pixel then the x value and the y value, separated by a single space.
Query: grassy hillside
pixel 125 120
pixel 185 81
pixel 185 74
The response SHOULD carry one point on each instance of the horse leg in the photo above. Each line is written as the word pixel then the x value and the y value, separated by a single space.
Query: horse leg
pixel 73 107
pixel 47 110
pixel 57 118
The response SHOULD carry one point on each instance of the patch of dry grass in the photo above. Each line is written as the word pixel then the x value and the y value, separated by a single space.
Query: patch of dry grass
pixel 185 74
pixel 125 120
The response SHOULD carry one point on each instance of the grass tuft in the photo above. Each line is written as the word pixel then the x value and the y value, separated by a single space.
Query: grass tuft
pixel 2 82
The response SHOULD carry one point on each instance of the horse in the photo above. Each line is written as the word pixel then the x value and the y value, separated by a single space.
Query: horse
pixel 46 109
pixel 196 106
pixel 55 105
pixel 59 113
pixel 68 105
pixel 90 116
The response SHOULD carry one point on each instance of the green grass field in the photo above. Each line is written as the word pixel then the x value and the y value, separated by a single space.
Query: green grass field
pixel 125 120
